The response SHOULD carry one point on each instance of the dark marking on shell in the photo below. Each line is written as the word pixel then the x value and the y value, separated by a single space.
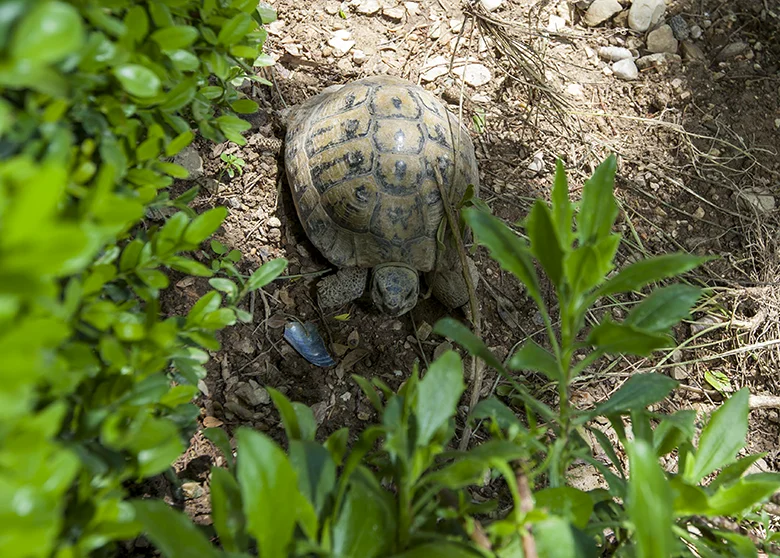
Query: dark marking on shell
pixel 397 102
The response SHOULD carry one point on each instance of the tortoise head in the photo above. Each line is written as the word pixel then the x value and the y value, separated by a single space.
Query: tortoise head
pixel 395 288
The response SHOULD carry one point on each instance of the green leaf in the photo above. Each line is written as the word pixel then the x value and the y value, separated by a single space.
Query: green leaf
pixel 224 285
pixel 614 338
pixel 556 537
pixel 494 409
pixel 588 265
pixel 443 549
pixel 188 266
pixel 566 502
pixel 206 304
pixel 733 472
pixel 533 357
pixel 316 471
pixel 438 394
pixel 638 392
pixel 226 512
pixel 48 33
pixel 266 273
pixel 721 439
pixel 743 495
pixel 268 488
pixel 363 528
pixel 178 97
pixel 508 249
pixel 370 392
pixel 244 106
pixel 649 502
pixel 171 531
pixel 153 278
pixel 266 12
pixel 688 500
pixel 562 207
pixel 544 241
pixel 138 80
pixel 644 272
pixel 298 419
pixel 598 209
pixel 176 37
pixel 449 327
pixel 674 430
pixel 204 225
pixel 232 127
pixel 235 29
pixel 663 308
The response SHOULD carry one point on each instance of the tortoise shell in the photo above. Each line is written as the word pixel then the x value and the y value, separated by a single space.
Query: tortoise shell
pixel 363 163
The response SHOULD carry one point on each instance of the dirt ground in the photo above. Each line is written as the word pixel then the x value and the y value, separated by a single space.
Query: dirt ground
pixel 693 134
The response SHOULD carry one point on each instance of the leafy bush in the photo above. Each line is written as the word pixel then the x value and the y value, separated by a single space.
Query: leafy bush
pixel 401 492
pixel 92 96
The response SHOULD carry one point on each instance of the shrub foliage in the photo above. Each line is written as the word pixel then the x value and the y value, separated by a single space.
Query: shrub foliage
pixel 93 95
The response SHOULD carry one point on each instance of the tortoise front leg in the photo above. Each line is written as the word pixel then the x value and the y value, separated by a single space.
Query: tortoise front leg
pixel 343 287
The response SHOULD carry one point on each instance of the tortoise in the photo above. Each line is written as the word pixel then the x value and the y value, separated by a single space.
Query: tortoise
pixel 364 162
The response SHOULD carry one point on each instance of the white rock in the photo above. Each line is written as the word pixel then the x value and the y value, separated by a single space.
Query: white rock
pixel 474 74
pixel 412 8
pixel 359 57
pixel 273 222
pixel 757 199
pixel 537 165
pixel 555 24
pixel 491 5
pixel 600 11
pixel 341 41
pixel 625 69
pixel 613 53
pixel 575 89
pixel 395 14
pixel 644 13
pixel 275 28
pixel 434 68
pixel 696 32
pixel 657 59
pixel 368 7
pixel 662 40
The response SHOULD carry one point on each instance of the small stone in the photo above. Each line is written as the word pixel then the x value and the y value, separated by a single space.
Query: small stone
pixel 759 199
pixel 491 5
pixel 441 348
pixel 332 8
pixel 731 50
pixel 424 331
pixel 692 52
pixel 600 11
pixel 613 53
pixel 625 69
pixel 191 490
pixel 273 222
pixel 341 41
pixel 190 159
pixel 662 40
pixel 657 60
pixel 368 7
pixel 474 75
pixel 679 27
pixel 699 213
pixel 537 164
pixel 575 89
pixel 412 8
pixel 696 32
pixel 777 123
pixel 346 396
pixel 555 24
pixel 644 13
pixel 394 14
pixel 435 68
pixel 245 345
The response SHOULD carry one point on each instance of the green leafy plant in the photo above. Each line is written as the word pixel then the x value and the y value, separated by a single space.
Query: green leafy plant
pixel 234 165
pixel 400 491
pixel 96 381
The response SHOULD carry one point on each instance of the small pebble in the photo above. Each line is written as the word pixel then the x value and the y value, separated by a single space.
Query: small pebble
pixel 696 32
pixel 625 69
pixel 273 222
pixel 679 28
pixel 613 53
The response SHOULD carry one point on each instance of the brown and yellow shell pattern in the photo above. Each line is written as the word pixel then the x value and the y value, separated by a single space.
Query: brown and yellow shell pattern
pixel 363 164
